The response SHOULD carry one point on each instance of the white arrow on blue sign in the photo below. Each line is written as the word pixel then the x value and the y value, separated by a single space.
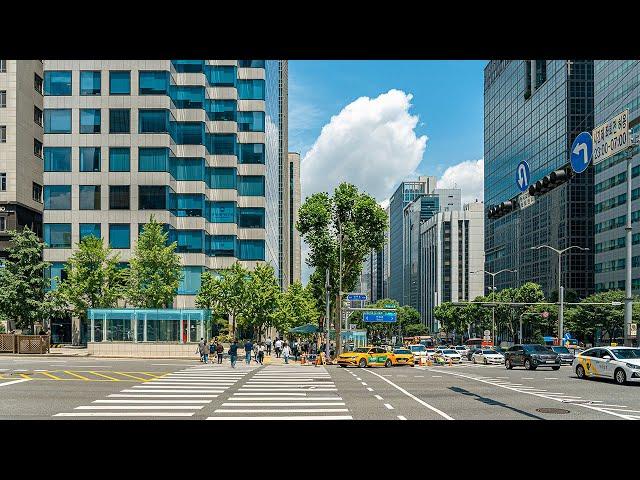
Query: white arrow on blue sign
pixel 581 152
pixel 357 296
pixel 523 176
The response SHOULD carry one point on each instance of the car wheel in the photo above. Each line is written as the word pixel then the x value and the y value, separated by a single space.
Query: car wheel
pixel 580 372
pixel 507 364
pixel 343 366
pixel 388 363
pixel 620 376
pixel 527 364
pixel 555 368
pixel 362 363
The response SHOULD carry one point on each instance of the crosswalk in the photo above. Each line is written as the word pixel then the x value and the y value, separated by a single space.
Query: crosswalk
pixel 179 394
pixel 291 392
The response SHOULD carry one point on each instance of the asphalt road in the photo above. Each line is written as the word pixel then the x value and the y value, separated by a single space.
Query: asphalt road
pixel 77 388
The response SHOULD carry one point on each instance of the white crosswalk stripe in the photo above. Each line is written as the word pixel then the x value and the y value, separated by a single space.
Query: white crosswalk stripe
pixel 285 393
pixel 178 394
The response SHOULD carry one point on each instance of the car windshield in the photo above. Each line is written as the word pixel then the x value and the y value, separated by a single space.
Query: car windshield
pixel 418 348
pixel 361 350
pixel 560 349
pixel 401 351
pixel 536 348
pixel 448 350
pixel 489 352
pixel 626 353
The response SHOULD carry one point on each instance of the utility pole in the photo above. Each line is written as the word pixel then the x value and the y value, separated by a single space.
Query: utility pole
pixel 339 322
pixel 328 312
pixel 628 295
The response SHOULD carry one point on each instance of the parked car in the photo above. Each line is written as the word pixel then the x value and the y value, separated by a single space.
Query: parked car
pixel 461 349
pixel 449 354
pixel 620 363
pixel 471 351
pixel 418 351
pixel 487 356
pixel 565 354
pixel 531 356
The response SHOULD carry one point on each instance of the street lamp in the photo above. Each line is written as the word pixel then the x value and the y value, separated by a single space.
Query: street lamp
pixel 339 322
pixel 493 296
pixel 560 289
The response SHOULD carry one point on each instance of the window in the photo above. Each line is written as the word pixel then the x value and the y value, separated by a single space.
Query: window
pixel 222 75
pixel 3 224
pixel 3 66
pixel 57 197
pixel 57 83
pixel 251 217
pixel 223 246
pixel 119 197
pixel 3 182
pixel 153 121
pixel 251 121
pixel 183 168
pixel 119 235
pixel 251 63
pixel 188 66
pixel 222 110
pixel 119 120
pixel 37 116
pixel 152 197
pixel 57 159
pixel 37 83
pixel 119 159
pixel 57 120
pixel 251 249
pixel 189 205
pixel 57 235
pixel 90 120
pixel 89 159
pixel 223 178
pixel 190 241
pixel 189 133
pixel 36 192
pixel 37 148
pixel 153 159
pixel 251 89
pixel 222 144
pixel 3 134
pixel 3 99
pixel 119 83
pixel 187 96
pixel 190 283
pixel 90 82
pixel 153 83
pixel 223 212
pixel 251 185
pixel 89 197
pixel 89 229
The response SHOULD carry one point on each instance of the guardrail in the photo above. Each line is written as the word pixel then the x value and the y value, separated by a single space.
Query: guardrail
pixel 34 344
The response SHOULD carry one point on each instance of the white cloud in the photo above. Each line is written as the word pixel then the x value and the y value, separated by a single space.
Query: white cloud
pixel 467 176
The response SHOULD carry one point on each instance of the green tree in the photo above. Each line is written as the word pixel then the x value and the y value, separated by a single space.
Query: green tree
pixel 210 295
pixel 93 279
pixel 448 316
pixel 155 271
pixel 234 294
pixel 263 293
pixel 362 223
pixel 296 307
pixel 22 281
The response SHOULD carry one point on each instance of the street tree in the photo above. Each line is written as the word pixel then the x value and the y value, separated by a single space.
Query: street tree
pixel 23 282
pixel 322 219
pixel 234 294
pixel 296 307
pixel 263 293
pixel 155 271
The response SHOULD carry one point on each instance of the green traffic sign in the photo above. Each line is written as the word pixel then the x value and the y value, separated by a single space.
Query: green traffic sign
pixel 389 305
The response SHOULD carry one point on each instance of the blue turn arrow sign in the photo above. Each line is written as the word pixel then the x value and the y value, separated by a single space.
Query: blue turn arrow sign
pixel 581 152
pixel 523 176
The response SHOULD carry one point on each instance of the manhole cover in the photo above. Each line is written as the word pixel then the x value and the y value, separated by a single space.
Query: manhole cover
pixel 558 411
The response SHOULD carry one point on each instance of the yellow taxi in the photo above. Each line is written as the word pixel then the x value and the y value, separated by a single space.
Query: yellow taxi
pixel 373 356
pixel 403 356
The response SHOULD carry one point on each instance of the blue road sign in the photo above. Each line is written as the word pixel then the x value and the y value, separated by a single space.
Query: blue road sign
pixel 523 176
pixel 379 316
pixel 389 305
pixel 356 296
pixel 581 152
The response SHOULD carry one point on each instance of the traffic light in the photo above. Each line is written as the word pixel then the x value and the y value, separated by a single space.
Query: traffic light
pixel 549 182
pixel 502 209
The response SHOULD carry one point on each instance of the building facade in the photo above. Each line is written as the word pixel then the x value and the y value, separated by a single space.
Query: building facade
pixel 615 89
pixel 533 110
pixel 293 202
pixel 199 144
pixel 452 259
pixel 21 146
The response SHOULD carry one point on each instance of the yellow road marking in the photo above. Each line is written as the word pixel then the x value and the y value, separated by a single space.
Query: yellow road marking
pixel 105 376
pixel 80 377
pixel 154 375
pixel 133 376
pixel 24 375
pixel 53 377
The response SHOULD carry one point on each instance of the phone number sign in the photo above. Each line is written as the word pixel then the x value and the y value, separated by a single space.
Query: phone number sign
pixel 611 137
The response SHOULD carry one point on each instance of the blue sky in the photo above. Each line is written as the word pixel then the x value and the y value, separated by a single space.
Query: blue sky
pixel 447 97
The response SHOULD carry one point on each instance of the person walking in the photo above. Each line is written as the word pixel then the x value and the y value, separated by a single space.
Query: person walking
pixel 260 353
pixel 268 345
pixel 286 351
pixel 212 349
pixel 248 347
pixel 233 353
pixel 204 351
pixel 219 351
pixel 295 345
pixel 278 347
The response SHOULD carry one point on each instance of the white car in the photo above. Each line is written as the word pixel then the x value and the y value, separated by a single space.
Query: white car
pixel 487 356
pixel 449 354
pixel 620 363
pixel 462 350
pixel 418 351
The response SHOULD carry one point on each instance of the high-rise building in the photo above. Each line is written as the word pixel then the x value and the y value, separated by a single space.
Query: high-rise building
pixel 616 88
pixel 533 110
pixel 294 256
pixel 452 258
pixel 199 144
pixel 406 193
pixel 21 107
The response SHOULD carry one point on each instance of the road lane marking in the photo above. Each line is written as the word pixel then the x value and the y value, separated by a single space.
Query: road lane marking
pixel 370 389
pixel 172 391
pixel 551 378
pixel 283 404
pixel 422 402
pixel 401 417
pixel 105 376
pixel 76 375
pixel 168 395
pixel 139 407
pixel 279 394
pixel 132 376
pixel 378 397
pixel 283 410
pixel 389 407
pixel 14 381
pixel 153 401
pixel 125 414
pixel 295 399
pixel 436 376
pixel 297 417
pixel 528 378
pixel 364 384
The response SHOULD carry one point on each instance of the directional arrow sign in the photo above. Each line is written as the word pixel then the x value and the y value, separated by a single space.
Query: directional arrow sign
pixel 356 296
pixel 379 316
pixel 523 176
pixel 581 152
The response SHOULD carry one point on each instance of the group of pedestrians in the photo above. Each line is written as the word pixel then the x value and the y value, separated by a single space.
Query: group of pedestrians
pixel 213 348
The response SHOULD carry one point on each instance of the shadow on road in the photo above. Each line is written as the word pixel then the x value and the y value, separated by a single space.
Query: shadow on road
pixel 489 401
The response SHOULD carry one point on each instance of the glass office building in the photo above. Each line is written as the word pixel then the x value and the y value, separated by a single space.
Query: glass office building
pixel 615 89
pixel 199 144
pixel 533 110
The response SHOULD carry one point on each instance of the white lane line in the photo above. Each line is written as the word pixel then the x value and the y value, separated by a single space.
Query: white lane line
pixel 364 384
pixel 389 407
pixel 528 378
pixel 370 389
pixel 551 378
pixel 297 417
pixel 168 395
pixel 139 407
pixel 283 404
pixel 246 389
pixel 126 414
pixel 172 391
pixel 288 399
pixel 436 376
pixel 14 381
pixel 358 378
pixel 378 397
pixel 283 410
pixel 401 417
pixel 623 410
pixel 153 401
pixel 148 386
pixel 422 402
pixel 279 394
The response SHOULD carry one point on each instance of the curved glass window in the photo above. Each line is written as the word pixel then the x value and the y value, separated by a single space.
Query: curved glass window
pixel 251 217
pixel 153 121
pixel 119 120
pixel 221 75
pixel 252 153
pixel 221 144
pixel 187 96
pixel 57 159
pixel 90 120
pixel 57 83
pixel 89 197
pixel 89 229
pixel 57 197
pixel 57 120
pixel 152 159
pixel 119 82
pixel 251 89
pixel 251 121
pixel 222 110
pixel 189 205
pixel 188 66
pixel 222 177
pixel 57 235
pixel 190 241
pixel 251 63
pixel 189 133
pixel 251 249
pixel 223 212
pixel 187 168
pixel 153 82
pixel 90 82
pixel 89 159
pixel 251 185
pixel 119 235
pixel 119 159
pixel 222 246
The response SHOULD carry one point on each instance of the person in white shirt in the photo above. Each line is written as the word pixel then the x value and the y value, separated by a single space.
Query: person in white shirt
pixel 286 351
pixel 278 347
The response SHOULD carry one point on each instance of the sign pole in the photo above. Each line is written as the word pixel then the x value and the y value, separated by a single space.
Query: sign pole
pixel 628 299
pixel 328 311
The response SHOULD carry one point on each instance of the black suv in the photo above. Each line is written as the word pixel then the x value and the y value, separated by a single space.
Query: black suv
pixel 531 356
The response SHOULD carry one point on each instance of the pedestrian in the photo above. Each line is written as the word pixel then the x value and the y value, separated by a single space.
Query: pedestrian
pixel 233 353
pixel 219 351
pixel 286 351
pixel 295 351
pixel 212 349
pixel 248 347
pixel 278 347
pixel 204 351
pixel 260 353
pixel 268 344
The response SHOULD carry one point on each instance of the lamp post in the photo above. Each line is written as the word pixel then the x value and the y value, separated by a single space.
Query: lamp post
pixel 493 296
pixel 560 288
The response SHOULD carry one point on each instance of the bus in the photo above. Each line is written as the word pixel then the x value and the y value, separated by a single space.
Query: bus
pixel 477 343
pixel 425 340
